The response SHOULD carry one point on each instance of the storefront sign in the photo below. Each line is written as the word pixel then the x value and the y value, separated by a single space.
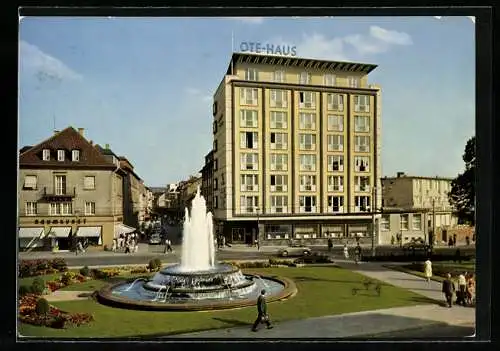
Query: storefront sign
pixel 270 49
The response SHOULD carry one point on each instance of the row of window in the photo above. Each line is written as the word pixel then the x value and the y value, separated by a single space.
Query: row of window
pixel 307 162
pixel 307 141
pixel 279 76
pixel 61 155
pixel 279 183
pixel 31 183
pixel 306 99
pixel 416 223
pixel 59 209
pixel 307 204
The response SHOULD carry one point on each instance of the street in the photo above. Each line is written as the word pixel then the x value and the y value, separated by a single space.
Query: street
pixel 428 332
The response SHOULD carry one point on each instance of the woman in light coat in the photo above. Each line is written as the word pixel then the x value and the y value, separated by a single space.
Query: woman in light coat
pixel 428 270
pixel 346 252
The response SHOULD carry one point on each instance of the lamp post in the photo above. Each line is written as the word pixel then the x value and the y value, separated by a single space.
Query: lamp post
pixel 433 238
pixel 374 207
pixel 257 209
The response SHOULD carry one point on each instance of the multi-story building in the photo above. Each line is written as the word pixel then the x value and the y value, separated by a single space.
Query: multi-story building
pixel 68 190
pixel 429 193
pixel 297 151
pixel 410 224
pixel 207 183
pixel 187 190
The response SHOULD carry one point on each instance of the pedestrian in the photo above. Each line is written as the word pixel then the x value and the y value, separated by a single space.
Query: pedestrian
pixel 113 247
pixel 346 252
pixel 467 240
pixel 330 244
pixel 357 253
pixel 127 247
pixel 428 270
pixel 454 239
pixel 169 246
pixel 471 289
pixel 257 244
pixel 448 289
pixel 262 316
pixel 450 242
pixel 136 246
pixel 462 289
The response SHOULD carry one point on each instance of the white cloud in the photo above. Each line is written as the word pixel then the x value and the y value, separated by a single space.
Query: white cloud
pixel 390 36
pixel 318 46
pixel 193 91
pixel 198 94
pixel 250 20
pixel 472 18
pixel 44 66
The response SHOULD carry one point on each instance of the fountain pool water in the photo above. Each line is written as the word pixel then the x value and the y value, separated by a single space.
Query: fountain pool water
pixel 198 282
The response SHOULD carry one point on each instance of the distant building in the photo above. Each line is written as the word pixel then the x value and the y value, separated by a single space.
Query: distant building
pixel 207 184
pixel 411 224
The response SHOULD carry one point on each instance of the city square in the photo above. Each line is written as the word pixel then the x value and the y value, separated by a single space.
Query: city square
pixel 301 198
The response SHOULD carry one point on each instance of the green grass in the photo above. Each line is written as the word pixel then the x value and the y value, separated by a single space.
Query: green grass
pixel 96 284
pixel 46 278
pixel 321 291
pixel 469 266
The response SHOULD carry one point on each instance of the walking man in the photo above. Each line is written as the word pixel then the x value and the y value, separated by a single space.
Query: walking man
pixel 428 270
pixel 262 316
pixel 448 290
pixel 462 289
pixel 330 244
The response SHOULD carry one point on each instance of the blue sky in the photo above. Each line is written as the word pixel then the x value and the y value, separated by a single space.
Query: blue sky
pixel 144 85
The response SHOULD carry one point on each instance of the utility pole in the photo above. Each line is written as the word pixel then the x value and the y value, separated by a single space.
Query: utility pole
pixel 433 222
pixel 258 225
pixel 374 206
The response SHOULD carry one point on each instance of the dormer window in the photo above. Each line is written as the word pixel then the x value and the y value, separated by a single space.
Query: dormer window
pixel 60 155
pixel 46 154
pixel 75 155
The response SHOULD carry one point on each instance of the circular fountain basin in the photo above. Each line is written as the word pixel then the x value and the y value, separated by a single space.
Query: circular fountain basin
pixel 222 287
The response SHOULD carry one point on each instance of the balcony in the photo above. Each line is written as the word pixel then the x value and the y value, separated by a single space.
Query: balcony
pixel 53 194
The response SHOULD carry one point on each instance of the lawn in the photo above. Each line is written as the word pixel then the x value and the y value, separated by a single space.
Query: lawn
pixel 438 268
pixel 321 291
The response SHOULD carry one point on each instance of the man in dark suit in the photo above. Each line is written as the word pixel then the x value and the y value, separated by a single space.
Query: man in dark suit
pixel 262 317
pixel 448 289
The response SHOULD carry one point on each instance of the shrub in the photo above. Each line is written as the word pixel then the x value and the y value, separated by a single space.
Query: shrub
pixel 85 271
pixel 139 270
pixel 158 263
pixel 66 278
pixel 154 264
pixel 59 264
pixel 38 286
pixel 24 289
pixel 42 307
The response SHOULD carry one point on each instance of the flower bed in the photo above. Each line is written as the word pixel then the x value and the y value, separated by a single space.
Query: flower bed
pixel 31 268
pixel 104 273
pixel 55 318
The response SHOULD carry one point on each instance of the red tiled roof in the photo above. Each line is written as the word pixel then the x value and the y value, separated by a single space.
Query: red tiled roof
pixel 68 139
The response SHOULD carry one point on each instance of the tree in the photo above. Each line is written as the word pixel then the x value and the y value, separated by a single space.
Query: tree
pixel 463 188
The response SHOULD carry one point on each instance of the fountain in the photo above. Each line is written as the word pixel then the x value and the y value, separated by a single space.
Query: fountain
pixel 197 282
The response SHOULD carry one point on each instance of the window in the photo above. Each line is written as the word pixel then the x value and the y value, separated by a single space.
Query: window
pixel 46 154
pixel 362 143
pixel 249 182
pixel 216 184
pixel 335 163
pixel 249 204
pixel 404 222
pixel 417 221
pixel 215 145
pixel 307 183
pixel 251 74
pixel 307 204
pixel 361 183
pixel 60 184
pixel 361 103
pixel 279 120
pixel 30 182
pixel 249 161
pixel 60 208
pixel 329 80
pixel 335 204
pixel 216 164
pixel 304 78
pixel 249 140
pixel 75 155
pixel 279 204
pixel 279 76
pixel 307 99
pixel 336 123
pixel 361 203
pixel 361 124
pixel 353 82
pixel 248 118
pixel 89 208
pixel 60 155
pixel 31 209
pixel 361 163
pixel 335 183
pixel 248 96
pixel 214 108
pixel 89 183
pixel 279 141
pixel 307 141
pixel 307 162
pixel 307 120
pixel 335 102
pixel 279 182
pixel 385 223
pixel 279 98
pixel 279 162
pixel 335 142
pixel 214 127
pixel 216 201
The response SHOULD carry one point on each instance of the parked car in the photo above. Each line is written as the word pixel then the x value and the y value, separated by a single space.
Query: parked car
pixel 416 244
pixel 297 250
pixel 155 239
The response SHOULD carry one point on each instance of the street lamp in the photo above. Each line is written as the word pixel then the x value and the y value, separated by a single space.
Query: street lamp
pixel 257 209
pixel 374 207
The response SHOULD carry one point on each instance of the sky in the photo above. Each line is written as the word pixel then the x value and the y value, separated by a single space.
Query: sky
pixel 145 85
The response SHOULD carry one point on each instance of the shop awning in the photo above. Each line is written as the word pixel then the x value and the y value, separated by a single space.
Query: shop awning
pixel 30 232
pixel 123 229
pixel 87 232
pixel 59 232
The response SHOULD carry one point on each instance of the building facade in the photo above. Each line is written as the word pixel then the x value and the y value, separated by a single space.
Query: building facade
pixel 410 224
pixel 296 150
pixel 68 191
pixel 427 193
pixel 207 184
